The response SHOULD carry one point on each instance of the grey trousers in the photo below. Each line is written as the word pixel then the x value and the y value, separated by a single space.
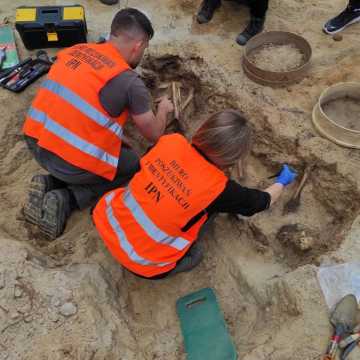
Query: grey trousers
pixel 86 187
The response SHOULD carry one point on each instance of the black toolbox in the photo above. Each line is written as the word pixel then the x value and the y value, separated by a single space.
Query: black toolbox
pixel 51 26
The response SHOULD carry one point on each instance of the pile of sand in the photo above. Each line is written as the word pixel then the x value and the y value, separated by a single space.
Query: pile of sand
pixel 344 111
pixel 277 58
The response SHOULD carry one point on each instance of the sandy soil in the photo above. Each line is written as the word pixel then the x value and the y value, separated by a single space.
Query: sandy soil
pixel 278 58
pixel 68 299
pixel 345 112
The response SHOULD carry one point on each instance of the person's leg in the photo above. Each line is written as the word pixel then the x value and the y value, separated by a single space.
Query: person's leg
pixel 207 10
pixel 87 191
pixel 39 185
pixel 347 17
pixel 258 9
pixel 354 4
pixel 53 197
pixel 83 190
pixel 191 259
pixel 194 255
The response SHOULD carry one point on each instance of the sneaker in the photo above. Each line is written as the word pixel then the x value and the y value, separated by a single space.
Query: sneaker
pixel 109 2
pixel 347 17
pixel 207 10
pixel 55 212
pixel 39 186
pixel 255 26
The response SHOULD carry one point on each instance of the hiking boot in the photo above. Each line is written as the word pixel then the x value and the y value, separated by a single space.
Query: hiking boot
pixel 207 10
pixel 255 26
pixel 55 212
pixel 109 2
pixel 349 16
pixel 39 186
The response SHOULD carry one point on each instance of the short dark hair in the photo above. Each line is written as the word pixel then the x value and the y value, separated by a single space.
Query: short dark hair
pixel 131 20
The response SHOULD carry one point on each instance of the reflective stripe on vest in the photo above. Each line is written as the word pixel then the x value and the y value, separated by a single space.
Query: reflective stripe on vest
pixel 123 241
pixel 71 138
pixel 83 106
pixel 149 227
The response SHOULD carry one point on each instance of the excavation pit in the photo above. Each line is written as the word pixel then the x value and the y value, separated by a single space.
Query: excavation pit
pixel 246 261
pixel 317 212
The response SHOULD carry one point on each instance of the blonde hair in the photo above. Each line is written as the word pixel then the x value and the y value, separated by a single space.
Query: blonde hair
pixel 224 138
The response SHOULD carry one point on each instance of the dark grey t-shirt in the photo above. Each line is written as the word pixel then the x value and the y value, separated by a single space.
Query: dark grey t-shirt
pixel 125 90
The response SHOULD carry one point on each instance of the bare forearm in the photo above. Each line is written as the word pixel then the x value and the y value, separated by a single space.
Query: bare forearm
pixel 275 191
pixel 151 126
pixel 161 118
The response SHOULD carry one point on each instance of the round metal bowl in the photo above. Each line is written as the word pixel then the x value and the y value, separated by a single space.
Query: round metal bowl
pixel 273 78
pixel 328 127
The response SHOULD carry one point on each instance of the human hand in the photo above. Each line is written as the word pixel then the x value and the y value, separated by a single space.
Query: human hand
pixel 286 176
pixel 164 104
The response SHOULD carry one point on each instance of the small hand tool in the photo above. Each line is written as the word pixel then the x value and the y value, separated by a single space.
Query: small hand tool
pixel 294 202
pixel 343 319
pixel 349 349
pixel 10 73
pixel 351 338
pixel 35 72
pixel 349 344
pixel 7 72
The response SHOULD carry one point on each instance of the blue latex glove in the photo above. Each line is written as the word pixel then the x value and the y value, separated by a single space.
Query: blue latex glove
pixel 286 176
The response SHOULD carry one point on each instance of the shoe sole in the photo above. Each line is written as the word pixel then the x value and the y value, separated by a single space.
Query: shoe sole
pixel 38 188
pixel 53 220
pixel 341 29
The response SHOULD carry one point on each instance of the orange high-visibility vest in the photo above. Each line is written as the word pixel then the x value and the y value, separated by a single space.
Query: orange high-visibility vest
pixel 141 224
pixel 66 116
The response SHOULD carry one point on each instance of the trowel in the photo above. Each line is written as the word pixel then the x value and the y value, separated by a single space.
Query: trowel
pixel 292 205
pixel 344 319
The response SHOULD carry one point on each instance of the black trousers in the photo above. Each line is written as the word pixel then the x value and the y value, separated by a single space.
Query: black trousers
pixel 354 3
pixel 258 8
pixel 86 187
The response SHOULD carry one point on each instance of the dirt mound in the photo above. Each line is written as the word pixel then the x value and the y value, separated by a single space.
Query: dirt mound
pixel 43 309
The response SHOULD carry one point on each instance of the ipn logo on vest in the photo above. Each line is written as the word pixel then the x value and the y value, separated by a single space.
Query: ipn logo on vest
pixel 154 192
